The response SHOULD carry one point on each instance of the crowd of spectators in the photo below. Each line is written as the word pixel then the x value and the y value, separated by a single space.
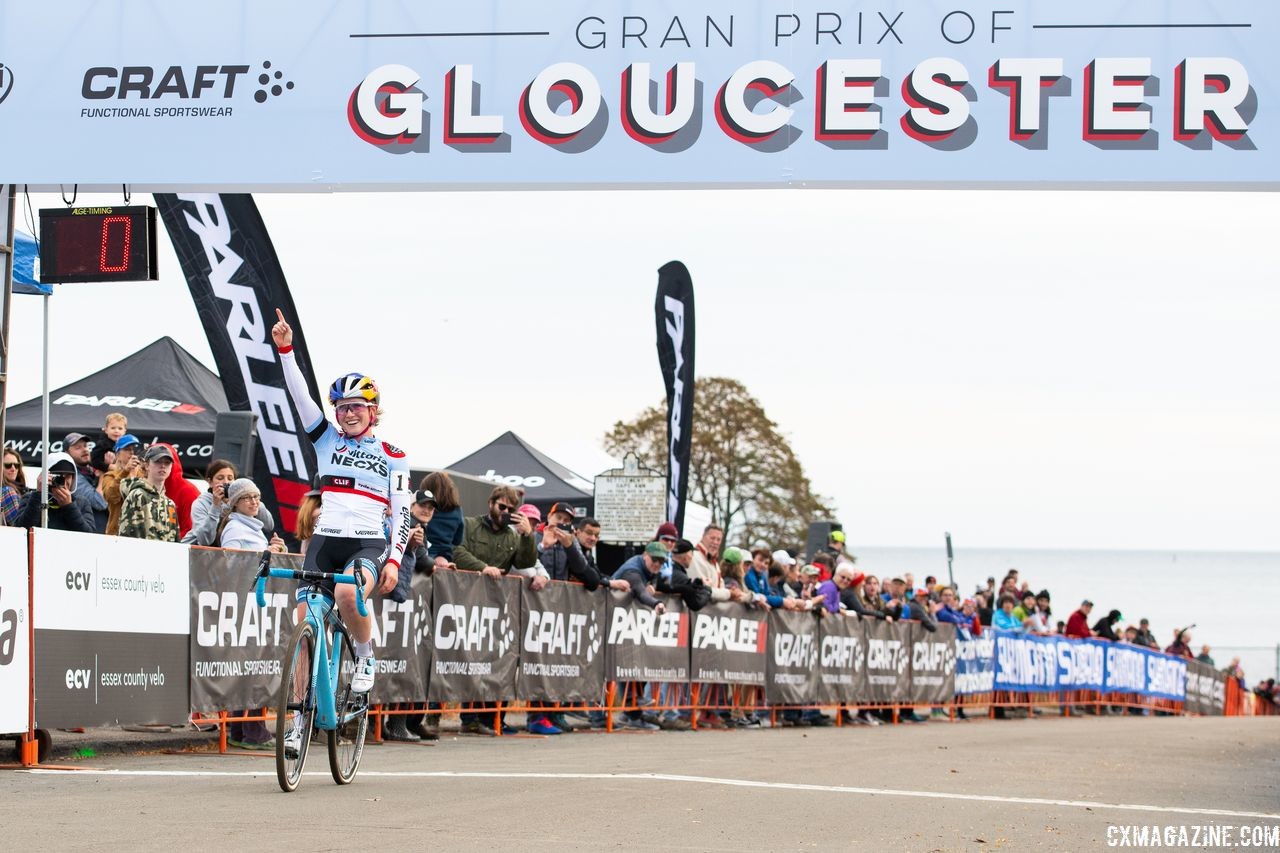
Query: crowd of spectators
pixel 117 485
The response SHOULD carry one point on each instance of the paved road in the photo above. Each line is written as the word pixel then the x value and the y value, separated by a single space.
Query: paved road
pixel 1051 784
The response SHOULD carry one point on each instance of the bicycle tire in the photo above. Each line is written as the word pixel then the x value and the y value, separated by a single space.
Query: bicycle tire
pixel 346 743
pixel 295 698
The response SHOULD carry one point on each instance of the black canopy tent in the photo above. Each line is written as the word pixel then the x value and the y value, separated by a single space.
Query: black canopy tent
pixel 511 460
pixel 166 394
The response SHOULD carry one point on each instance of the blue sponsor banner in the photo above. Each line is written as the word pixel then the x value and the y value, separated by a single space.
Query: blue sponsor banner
pixel 975 664
pixel 1027 663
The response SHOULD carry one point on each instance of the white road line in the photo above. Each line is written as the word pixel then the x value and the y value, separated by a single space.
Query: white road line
pixel 700 780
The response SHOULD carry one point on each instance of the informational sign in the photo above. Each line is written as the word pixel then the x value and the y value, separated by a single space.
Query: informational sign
pixel 729 644
pixel 630 503
pixel 562 644
pixel 474 635
pixel 112 624
pixel 15 632
pixel 346 94
pixel 643 645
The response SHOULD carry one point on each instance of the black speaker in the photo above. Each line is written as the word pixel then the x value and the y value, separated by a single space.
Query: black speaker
pixel 819 533
pixel 235 439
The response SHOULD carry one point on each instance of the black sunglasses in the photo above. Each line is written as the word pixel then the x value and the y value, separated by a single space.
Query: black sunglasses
pixel 13 464
pixel 504 507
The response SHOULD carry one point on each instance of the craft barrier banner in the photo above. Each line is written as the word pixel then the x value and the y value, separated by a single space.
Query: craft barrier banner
pixel 728 644
pixel 562 644
pixel 933 664
pixel 643 646
pixel 15 627
pixel 237 283
pixel 560 94
pixel 402 638
pixel 842 658
pixel 1206 690
pixel 112 623
pixel 791 677
pixel 975 663
pixel 236 646
pixel 888 662
pixel 673 311
pixel 475 624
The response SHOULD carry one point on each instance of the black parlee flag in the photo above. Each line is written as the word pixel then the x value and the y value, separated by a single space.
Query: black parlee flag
pixel 237 283
pixel 674 310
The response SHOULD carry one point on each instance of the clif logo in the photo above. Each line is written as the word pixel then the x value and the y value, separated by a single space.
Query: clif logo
pixel 6 81
pixel 178 82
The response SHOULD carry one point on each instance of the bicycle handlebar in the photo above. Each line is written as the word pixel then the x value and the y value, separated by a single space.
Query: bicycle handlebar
pixel 265 571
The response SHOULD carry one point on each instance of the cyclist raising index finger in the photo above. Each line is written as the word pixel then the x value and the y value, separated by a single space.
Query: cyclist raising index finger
pixel 360 477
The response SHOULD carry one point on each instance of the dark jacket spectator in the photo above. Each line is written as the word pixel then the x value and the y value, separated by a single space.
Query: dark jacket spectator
pixel 642 570
pixel 502 540
pixel 13 486
pixel 445 530
pixel 1106 626
pixel 64 512
pixel 559 552
pixel 1145 637
pixel 92 504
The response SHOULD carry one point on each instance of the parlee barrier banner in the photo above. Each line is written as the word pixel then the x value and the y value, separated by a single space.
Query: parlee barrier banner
pixel 236 646
pixel 728 644
pixel 933 663
pixel 346 94
pixel 474 633
pixel 1206 690
pixel 888 661
pixel 112 626
pixel 975 663
pixel 792 674
pixel 237 284
pixel 643 646
pixel 562 644
pixel 15 628
pixel 842 658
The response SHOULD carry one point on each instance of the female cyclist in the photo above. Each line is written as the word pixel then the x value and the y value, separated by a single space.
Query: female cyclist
pixel 360 477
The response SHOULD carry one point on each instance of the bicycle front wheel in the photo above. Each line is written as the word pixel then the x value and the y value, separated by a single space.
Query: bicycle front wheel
pixel 346 743
pixel 295 706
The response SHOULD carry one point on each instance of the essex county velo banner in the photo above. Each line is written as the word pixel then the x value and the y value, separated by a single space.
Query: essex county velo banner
pixel 474 630
pixel 15 632
pixel 562 644
pixel 643 646
pixel 728 644
pixel 317 95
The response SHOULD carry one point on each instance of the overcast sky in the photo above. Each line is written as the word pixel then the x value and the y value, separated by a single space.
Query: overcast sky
pixel 1085 370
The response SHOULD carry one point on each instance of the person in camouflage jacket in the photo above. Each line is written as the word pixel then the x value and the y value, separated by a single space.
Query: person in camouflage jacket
pixel 148 513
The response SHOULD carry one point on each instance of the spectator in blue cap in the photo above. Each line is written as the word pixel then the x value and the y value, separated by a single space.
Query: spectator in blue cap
pixel 127 464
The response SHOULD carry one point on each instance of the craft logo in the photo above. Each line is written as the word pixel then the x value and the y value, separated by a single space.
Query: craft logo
pixel 150 404
pixel 570 634
pixel 794 651
pixel 6 81
pixel 933 657
pixel 843 653
pixel 156 89
pixel 887 655
pixel 234 620
pixel 475 628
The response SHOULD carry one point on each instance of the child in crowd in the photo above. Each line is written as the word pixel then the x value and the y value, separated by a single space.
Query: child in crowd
pixel 103 454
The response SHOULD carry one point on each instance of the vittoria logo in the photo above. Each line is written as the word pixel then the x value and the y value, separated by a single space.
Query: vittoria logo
pixel 6 82
pixel 215 85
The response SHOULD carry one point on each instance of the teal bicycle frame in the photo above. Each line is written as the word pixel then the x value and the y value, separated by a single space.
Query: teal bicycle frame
pixel 320 611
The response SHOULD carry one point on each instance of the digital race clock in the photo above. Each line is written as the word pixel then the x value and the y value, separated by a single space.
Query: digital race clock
pixel 98 244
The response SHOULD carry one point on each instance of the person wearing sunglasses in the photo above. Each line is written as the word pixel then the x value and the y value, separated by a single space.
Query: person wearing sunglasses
pixel 12 487
pixel 360 477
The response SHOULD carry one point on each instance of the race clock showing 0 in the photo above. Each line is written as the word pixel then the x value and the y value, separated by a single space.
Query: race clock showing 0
pixel 98 244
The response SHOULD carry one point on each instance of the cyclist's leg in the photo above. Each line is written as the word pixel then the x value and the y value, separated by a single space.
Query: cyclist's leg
pixel 368 554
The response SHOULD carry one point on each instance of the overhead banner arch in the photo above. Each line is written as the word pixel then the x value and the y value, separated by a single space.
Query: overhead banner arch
pixel 307 95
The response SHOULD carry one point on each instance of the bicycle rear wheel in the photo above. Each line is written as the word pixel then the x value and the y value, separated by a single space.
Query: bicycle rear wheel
pixel 346 743
pixel 295 705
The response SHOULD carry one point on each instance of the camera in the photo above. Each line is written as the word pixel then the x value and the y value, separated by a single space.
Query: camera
pixel 566 527
pixel 506 519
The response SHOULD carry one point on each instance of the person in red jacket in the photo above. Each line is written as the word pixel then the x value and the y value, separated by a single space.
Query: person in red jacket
pixel 1078 622
pixel 182 493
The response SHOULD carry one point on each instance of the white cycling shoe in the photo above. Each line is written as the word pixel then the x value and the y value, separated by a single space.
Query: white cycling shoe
pixel 362 680
pixel 293 739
